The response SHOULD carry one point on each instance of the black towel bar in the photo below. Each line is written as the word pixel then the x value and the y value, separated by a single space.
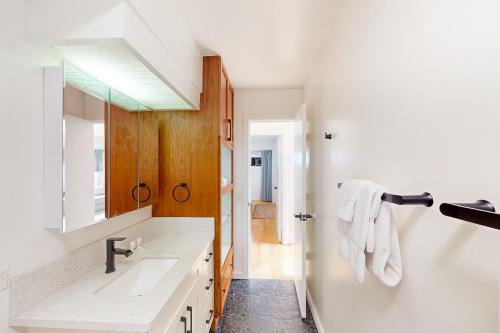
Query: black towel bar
pixel 424 199
pixel 481 212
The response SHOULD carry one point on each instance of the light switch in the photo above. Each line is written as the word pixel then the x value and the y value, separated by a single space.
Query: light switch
pixel 4 279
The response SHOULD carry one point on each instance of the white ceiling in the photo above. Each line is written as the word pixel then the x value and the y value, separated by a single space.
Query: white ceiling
pixel 264 43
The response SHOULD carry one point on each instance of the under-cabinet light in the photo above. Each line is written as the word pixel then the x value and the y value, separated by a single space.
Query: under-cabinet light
pixel 117 67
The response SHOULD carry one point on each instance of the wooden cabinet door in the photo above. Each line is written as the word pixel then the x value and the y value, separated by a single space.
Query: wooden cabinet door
pixel 226 277
pixel 148 158
pixel 122 164
pixel 223 105
pixel 230 114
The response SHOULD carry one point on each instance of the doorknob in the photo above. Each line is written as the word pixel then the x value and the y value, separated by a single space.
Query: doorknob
pixel 303 217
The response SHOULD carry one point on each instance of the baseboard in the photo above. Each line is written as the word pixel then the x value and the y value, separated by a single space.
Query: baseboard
pixel 239 276
pixel 315 313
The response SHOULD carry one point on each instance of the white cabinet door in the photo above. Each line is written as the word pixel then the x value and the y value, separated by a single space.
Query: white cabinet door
pixel 206 313
pixel 206 296
pixel 186 318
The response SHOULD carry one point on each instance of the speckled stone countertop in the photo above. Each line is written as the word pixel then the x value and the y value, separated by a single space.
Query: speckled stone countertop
pixel 79 305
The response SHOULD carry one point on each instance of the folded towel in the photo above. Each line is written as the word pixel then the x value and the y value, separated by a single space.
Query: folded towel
pixel 385 262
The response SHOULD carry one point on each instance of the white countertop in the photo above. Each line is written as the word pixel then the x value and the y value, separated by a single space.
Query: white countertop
pixel 78 306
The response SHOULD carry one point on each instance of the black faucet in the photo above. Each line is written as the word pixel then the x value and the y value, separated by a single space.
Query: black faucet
pixel 111 251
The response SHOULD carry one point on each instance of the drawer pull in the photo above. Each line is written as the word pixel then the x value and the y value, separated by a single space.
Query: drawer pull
pixel 190 309
pixel 209 257
pixel 210 318
pixel 210 284
pixel 183 320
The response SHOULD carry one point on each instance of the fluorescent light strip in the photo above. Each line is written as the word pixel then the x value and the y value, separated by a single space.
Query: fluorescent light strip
pixel 94 87
pixel 117 67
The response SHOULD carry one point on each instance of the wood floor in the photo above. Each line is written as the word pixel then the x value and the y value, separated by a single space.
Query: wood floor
pixel 269 258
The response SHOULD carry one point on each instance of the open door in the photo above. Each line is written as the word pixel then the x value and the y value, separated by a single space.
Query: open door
pixel 300 207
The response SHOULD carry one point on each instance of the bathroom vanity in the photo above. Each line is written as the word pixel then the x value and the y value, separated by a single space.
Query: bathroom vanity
pixel 165 286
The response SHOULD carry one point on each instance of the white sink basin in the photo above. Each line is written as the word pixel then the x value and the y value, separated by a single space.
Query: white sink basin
pixel 140 278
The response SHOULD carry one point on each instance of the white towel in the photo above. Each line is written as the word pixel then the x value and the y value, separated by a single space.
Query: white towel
pixel 353 236
pixel 385 262
pixel 365 226
pixel 348 193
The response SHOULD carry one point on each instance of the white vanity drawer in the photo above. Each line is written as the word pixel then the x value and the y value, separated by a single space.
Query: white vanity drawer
pixel 208 282
pixel 186 318
pixel 206 313
pixel 208 258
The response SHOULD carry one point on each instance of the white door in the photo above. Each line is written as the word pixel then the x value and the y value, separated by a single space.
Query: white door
pixel 300 213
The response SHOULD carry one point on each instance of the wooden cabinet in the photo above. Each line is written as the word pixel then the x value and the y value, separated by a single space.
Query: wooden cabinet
pixel 133 160
pixel 196 148
pixel 227 107
pixel 123 143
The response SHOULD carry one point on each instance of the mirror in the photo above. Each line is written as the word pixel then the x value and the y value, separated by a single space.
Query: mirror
pixel 110 152
pixel 84 149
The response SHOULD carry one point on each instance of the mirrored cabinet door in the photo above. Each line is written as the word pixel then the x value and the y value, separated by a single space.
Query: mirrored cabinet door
pixel 148 158
pixel 123 161
pixel 84 168
pixel 100 151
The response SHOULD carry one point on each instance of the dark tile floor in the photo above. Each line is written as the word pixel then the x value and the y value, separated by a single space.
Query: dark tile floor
pixel 263 306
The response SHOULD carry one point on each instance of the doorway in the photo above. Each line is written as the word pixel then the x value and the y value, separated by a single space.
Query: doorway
pixel 271 200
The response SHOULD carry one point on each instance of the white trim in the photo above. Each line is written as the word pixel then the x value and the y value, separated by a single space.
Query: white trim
pixel 253 105
pixel 315 313
pixel 53 104
pixel 239 276
pixel 247 152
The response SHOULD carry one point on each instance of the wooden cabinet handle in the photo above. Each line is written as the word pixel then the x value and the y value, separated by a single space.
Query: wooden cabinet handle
pixel 230 130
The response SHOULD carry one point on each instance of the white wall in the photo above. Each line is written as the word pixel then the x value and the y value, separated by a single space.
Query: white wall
pixel 258 144
pixel 411 88
pixel 25 244
pixel 277 104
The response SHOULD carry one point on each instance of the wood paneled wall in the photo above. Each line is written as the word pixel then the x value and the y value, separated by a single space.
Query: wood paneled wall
pixel 189 152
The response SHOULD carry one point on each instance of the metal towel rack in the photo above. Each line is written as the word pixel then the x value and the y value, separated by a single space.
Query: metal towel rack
pixel 424 199
pixel 481 212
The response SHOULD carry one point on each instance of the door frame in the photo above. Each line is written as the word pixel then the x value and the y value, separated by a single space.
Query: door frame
pixel 243 196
